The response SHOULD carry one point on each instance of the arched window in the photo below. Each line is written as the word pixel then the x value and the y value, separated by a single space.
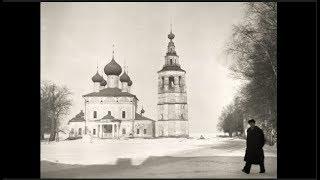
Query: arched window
pixel 170 61
pixel 94 131
pixel 144 131
pixel 179 80
pixel 123 114
pixel 123 131
pixel 80 131
pixel 171 81
pixel 162 81
pixel 94 114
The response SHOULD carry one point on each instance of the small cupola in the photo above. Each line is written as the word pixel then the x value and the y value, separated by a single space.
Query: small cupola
pixel 97 77
pixel 103 82
pixel 124 77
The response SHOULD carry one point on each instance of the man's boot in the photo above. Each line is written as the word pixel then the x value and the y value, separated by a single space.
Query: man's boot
pixel 246 168
pixel 262 169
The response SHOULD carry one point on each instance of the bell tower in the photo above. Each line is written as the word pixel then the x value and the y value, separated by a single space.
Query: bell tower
pixel 172 96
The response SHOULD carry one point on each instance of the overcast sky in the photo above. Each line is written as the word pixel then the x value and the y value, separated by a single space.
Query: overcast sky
pixel 75 36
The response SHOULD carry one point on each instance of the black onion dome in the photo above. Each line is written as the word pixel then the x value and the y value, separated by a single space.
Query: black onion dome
pixel 130 83
pixel 112 68
pixel 97 78
pixel 124 77
pixel 171 35
pixel 103 82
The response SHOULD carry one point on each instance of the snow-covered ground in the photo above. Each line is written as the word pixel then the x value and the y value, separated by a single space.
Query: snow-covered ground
pixel 107 151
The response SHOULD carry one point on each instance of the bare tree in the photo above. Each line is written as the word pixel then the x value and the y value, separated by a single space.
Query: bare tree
pixel 55 103
pixel 253 49
pixel 231 118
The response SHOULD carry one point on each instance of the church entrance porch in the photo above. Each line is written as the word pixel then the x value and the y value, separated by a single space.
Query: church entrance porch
pixel 108 130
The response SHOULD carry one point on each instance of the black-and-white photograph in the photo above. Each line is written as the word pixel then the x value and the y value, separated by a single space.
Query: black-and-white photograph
pixel 158 90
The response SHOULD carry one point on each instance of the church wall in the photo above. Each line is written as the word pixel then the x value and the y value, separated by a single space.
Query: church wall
pixel 173 111
pixel 92 125
pixel 141 125
pixel 127 125
pixel 75 126
pixel 138 124
pixel 172 97
pixel 102 105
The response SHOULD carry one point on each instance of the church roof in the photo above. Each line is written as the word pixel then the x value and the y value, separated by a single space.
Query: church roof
pixel 108 116
pixel 171 68
pixel 172 53
pixel 78 118
pixel 140 117
pixel 110 92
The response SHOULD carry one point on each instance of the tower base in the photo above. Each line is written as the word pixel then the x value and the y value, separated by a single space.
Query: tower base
pixel 172 128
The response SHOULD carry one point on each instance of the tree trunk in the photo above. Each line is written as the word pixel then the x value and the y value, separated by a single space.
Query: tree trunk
pixel 41 136
pixel 53 130
pixel 57 136
pixel 52 136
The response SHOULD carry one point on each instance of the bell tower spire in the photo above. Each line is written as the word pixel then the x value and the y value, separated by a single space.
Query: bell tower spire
pixel 112 51
pixel 171 58
pixel 172 95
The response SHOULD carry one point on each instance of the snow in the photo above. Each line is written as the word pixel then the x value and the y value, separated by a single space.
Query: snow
pixel 88 151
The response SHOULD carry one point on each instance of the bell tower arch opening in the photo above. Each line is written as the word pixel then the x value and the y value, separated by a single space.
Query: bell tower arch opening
pixel 171 82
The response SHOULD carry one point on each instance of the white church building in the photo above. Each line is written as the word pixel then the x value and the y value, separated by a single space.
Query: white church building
pixel 110 111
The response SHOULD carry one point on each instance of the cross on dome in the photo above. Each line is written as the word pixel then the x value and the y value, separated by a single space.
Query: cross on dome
pixel 112 51
pixel 171 35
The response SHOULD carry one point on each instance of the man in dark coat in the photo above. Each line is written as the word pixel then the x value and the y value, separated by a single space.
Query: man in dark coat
pixel 254 152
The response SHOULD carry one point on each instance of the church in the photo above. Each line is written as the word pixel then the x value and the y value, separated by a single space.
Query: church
pixel 110 110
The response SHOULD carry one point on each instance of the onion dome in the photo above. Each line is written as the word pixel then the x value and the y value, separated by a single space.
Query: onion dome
pixel 103 82
pixel 97 77
pixel 130 83
pixel 171 35
pixel 112 68
pixel 124 77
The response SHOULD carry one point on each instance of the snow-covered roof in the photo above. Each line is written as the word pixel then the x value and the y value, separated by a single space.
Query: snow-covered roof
pixel 171 68
pixel 78 118
pixel 140 117
pixel 110 92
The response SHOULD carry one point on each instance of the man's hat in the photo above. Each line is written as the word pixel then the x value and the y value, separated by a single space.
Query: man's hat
pixel 251 121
